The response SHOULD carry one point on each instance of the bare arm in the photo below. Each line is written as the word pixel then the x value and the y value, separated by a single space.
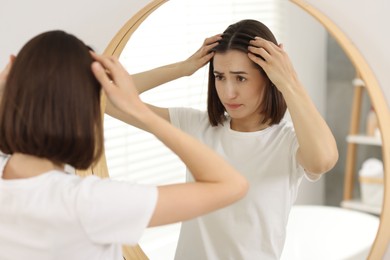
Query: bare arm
pixel 149 79
pixel 217 183
pixel 317 151
pixel 158 76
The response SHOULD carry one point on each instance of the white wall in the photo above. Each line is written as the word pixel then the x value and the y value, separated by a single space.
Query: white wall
pixel 94 21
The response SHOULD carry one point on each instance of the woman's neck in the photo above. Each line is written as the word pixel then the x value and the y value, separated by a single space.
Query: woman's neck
pixel 21 166
pixel 247 126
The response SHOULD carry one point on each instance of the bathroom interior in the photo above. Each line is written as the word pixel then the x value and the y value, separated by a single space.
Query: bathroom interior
pixel 339 217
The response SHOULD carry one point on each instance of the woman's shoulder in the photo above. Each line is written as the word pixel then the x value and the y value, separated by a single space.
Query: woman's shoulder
pixel 284 129
pixel 188 111
pixel 284 125
pixel 188 119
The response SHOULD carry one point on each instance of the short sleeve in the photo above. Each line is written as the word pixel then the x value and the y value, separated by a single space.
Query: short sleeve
pixel 115 212
pixel 187 119
pixel 3 161
pixel 301 171
pixel 297 168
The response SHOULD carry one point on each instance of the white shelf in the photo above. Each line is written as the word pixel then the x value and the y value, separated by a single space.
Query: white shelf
pixel 358 205
pixel 364 139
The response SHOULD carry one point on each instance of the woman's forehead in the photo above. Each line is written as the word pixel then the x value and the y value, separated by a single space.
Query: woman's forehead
pixel 232 60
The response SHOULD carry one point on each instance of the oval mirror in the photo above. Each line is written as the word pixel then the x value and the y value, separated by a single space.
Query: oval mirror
pixel 173 31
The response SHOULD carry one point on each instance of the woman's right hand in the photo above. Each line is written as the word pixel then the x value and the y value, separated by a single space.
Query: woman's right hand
pixel 202 55
pixel 118 85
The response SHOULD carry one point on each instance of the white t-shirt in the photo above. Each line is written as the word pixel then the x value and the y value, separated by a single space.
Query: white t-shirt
pixel 61 216
pixel 255 227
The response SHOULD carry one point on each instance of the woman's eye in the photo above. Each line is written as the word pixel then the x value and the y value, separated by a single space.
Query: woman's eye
pixel 241 79
pixel 218 77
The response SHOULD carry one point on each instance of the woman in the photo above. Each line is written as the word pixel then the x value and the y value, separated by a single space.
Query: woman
pixel 49 118
pixel 251 83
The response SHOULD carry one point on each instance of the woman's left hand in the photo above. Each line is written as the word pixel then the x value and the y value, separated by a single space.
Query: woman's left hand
pixel 4 73
pixel 274 61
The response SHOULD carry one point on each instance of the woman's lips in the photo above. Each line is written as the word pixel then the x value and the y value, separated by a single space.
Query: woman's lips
pixel 232 106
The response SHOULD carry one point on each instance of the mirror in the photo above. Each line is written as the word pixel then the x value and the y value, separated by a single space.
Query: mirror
pixel 173 51
pixel 377 92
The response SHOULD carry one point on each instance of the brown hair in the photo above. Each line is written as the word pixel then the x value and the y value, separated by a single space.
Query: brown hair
pixel 51 102
pixel 237 37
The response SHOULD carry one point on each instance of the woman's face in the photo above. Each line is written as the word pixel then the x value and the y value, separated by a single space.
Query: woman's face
pixel 240 87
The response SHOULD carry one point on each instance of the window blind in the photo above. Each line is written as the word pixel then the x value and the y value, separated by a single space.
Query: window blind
pixel 170 34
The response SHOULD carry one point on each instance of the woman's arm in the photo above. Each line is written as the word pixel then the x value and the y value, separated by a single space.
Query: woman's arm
pixel 217 183
pixel 317 151
pixel 149 79
pixel 158 76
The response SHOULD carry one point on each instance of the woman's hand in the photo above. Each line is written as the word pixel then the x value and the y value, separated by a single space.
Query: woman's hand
pixel 118 85
pixel 274 61
pixel 4 73
pixel 202 55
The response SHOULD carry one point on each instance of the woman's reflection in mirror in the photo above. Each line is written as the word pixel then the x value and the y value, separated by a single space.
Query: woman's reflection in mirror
pixel 252 83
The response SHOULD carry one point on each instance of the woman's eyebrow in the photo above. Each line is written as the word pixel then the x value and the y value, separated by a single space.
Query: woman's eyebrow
pixel 231 72
pixel 238 72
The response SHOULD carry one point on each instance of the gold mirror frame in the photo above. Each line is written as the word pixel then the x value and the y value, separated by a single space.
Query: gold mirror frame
pixel 382 239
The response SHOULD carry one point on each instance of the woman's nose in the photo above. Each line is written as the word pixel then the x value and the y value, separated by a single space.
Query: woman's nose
pixel 231 91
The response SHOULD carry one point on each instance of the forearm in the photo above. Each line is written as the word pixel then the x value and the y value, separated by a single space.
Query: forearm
pixel 317 146
pixel 155 77
pixel 152 78
pixel 147 80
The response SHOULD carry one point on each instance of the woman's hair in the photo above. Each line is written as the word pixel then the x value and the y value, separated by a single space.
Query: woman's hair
pixel 51 102
pixel 237 37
